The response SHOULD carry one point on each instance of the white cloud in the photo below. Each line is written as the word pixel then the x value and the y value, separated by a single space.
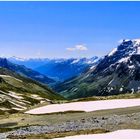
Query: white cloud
pixel 79 47
pixel 70 49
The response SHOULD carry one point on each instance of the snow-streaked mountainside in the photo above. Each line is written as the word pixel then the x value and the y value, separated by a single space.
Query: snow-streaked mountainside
pixel 58 69
pixel 117 73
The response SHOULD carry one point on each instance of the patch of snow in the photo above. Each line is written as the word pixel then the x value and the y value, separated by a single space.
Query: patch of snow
pixel 118 135
pixel 110 89
pixel 36 97
pixel 138 50
pixel 26 102
pixel 137 40
pixel 3 92
pixel 15 108
pixel 125 59
pixel 136 45
pixel 15 95
pixel 92 67
pixel 131 67
pixel 7 76
pixel 86 76
pixel 4 109
pixel 4 75
pixel 132 90
pixel 127 40
pixel 110 82
pixel 48 100
pixel 112 52
pixel 89 62
pixel 96 60
pixel 17 105
pixel 121 89
pixel 42 102
pixel 75 89
pixel 86 106
pixel 75 61
pixel 17 79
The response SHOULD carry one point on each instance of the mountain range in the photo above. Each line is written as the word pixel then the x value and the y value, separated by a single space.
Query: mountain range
pixel 117 73
pixel 58 69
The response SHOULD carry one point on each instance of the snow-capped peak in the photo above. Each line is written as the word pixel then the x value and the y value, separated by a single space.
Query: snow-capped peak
pixel 127 48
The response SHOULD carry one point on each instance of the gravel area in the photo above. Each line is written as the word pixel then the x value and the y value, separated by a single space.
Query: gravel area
pixel 107 122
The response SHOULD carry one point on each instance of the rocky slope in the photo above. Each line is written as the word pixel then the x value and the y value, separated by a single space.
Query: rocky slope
pixel 117 73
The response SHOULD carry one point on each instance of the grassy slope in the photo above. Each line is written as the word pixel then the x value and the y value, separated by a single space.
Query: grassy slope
pixel 24 88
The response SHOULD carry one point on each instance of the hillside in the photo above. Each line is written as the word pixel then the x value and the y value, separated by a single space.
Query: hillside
pixel 18 93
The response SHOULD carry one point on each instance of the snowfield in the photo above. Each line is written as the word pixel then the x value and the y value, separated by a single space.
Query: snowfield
pixel 86 106
pixel 120 134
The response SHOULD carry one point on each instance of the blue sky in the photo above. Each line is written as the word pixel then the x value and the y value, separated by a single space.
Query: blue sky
pixel 66 29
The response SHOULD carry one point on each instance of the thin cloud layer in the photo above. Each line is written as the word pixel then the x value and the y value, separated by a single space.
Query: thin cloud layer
pixel 79 47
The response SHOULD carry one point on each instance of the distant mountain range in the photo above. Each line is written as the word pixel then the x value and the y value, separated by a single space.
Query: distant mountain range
pixel 24 71
pixel 58 69
pixel 117 73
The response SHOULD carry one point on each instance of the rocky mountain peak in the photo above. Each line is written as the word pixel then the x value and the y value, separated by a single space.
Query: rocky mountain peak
pixel 127 47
